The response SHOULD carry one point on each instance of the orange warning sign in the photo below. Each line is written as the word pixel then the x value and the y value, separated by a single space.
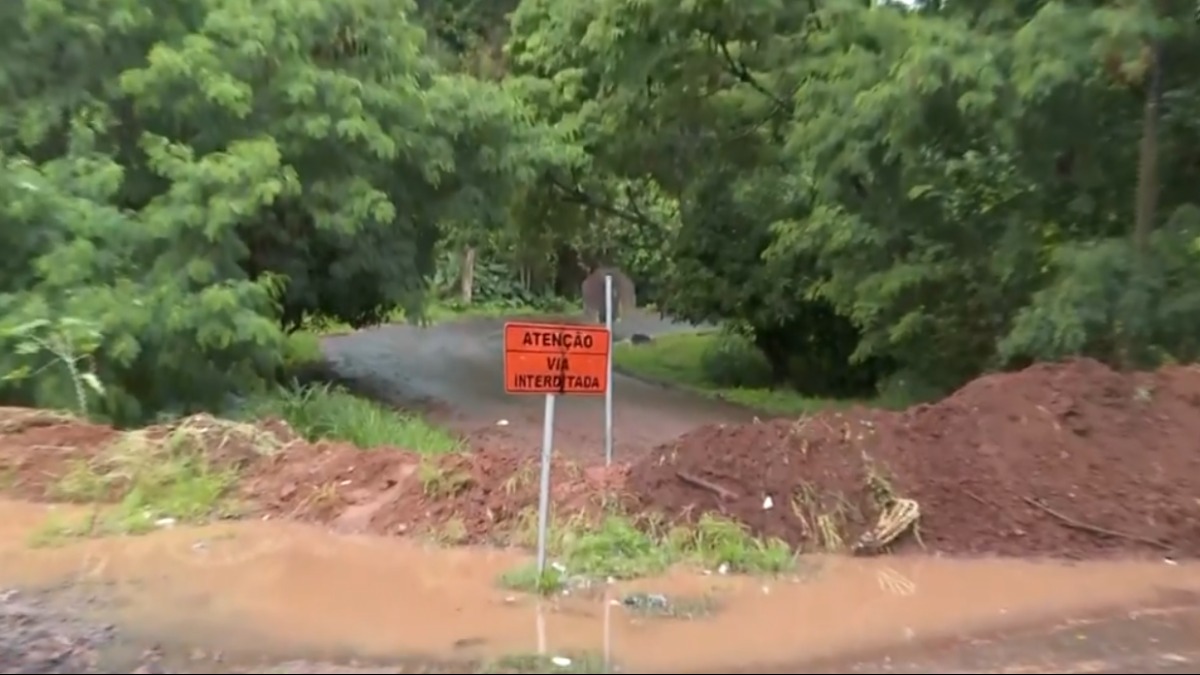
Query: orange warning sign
pixel 544 358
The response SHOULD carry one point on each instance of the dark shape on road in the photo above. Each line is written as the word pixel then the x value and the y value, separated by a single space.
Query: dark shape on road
pixel 624 293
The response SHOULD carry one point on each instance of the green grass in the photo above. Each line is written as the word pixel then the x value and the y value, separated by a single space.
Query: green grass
pixel 680 360
pixel 303 349
pixel 619 548
pixel 326 412
pixel 671 359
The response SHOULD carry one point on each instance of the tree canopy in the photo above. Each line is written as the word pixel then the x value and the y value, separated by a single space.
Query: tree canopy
pixel 874 192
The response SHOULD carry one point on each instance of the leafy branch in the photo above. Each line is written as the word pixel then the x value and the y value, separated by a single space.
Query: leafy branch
pixel 69 342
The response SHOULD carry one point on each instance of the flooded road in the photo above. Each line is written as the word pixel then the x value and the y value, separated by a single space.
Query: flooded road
pixel 266 590
pixel 457 368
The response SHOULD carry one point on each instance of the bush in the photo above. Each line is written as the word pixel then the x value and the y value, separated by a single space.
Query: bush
pixel 732 361
pixel 904 388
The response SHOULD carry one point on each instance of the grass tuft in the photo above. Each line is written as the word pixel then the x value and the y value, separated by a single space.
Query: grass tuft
pixel 620 548
pixel 327 412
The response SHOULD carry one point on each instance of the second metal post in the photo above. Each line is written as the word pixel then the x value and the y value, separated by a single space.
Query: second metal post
pixel 608 391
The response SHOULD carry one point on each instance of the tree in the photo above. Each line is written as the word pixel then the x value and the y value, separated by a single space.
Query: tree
pixel 924 183
pixel 206 173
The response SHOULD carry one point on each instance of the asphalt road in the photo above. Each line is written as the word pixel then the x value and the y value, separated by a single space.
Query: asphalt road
pixel 456 370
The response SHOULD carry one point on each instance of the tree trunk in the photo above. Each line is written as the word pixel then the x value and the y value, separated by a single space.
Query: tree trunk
pixel 1147 186
pixel 1132 330
pixel 467 278
pixel 773 343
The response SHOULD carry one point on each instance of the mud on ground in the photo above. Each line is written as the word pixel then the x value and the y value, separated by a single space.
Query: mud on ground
pixel 50 632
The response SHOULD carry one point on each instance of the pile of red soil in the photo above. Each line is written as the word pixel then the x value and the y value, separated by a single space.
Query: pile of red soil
pixel 38 447
pixel 1066 460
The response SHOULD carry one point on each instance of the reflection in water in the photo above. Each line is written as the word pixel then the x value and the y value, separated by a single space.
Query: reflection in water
pixel 278 589
pixel 541 610
pixel 894 582
pixel 540 614
pixel 606 651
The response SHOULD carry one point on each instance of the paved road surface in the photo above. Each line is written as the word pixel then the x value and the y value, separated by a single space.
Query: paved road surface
pixel 457 370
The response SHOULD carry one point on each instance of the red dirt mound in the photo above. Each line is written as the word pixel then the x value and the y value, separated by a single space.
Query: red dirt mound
pixel 1065 460
pixel 38 446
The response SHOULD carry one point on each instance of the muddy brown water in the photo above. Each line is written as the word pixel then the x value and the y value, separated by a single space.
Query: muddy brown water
pixel 283 590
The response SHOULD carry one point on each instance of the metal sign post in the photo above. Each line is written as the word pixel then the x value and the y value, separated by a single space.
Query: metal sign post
pixel 608 396
pixel 554 360
pixel 544 485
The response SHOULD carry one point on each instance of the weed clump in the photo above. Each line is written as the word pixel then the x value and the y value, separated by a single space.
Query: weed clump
pixel 326 412
pixel 620 547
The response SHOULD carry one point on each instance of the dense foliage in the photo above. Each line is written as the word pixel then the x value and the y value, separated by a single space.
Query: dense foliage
pixel 189 177
pixel 876 193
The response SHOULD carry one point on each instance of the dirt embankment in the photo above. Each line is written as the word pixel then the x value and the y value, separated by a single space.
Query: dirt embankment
pixel 1064 460
pixel 490 494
